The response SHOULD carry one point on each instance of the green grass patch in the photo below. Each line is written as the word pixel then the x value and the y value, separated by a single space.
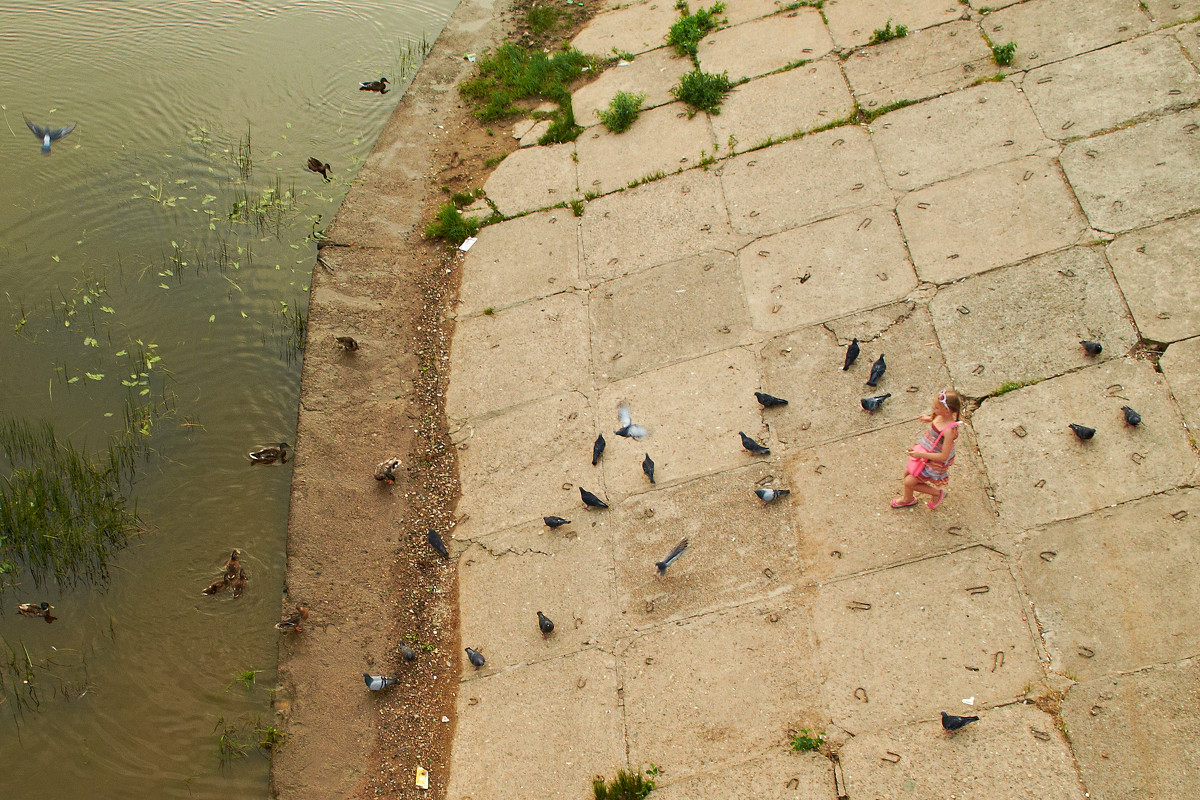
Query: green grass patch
pixel 622 111
pixel 626 785
pixel 514 73
pixel 494 160
pixel 451 225
pixel 1003 54
pixel 887 33
pixel 817 4
pixel 687 31
pixel 1012 386
pixel 870 115
pixel 542 19
pixel 577 208
pixel 806 741
pixel 702 91
pixel 562 126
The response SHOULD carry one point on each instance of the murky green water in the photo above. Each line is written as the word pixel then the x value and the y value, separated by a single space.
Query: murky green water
pixel 120 242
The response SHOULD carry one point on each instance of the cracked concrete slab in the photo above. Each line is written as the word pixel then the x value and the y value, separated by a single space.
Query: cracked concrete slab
pixel 1179 366
pixel 1099 90
pixel 1041 472
pixel 1134 735
pixel 740 11
pixel 852 23
pixel 765 45
pixel 989 218
pixel 1158 269
pixel 1116 591
pixel 697 309
pixel 923 64
pixel 521 259
pixel 500 746
pixel 1023 323
pixel 797 182
pixel 826 270
pixel 780 775
pixel 1189 37
pixel 632 28
pixel 805 368
pixel 652 74
pixel 954 134
pixel 1013 751
pixel 1052 30
pixel 533 178
pixel 661 142
pixel 1137 175
pixel 662 221
pixel 1170 12
pixel 547 337
pixel 948 616
pixel 780 105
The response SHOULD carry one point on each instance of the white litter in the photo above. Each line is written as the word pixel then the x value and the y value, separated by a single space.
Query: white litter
pixel 969 701
pixel 468 243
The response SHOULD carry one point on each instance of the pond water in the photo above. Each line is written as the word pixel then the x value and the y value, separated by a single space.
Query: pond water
pixel 170 234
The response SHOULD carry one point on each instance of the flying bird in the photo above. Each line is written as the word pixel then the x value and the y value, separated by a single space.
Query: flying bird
pixel 269 455
pixel 437 544
pixel 753 446
pixel 407 653
pixel 770 495
pixel 1091 348
pixel 598 449
pixel 476 658
pixel 374 86
pixel 386 470
pixel 590 499
pixel 555 522
pixel 851 354
pixel 315 165
pixel 648 467
pixel 953 723
pixel 545 624
pixel 36 610
pixel 48 134
pixel 628 429
pixel 377 682
pixel 1131 416
pixel 672 557
pixel 873 403
pixel 1082 431
pixel 767 401
pixel 877 370
pixel 293 620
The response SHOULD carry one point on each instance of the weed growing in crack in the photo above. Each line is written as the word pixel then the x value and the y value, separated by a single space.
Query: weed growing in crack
pixel 622 111
pixel 702 91
pixel 1003 54
pixel 887 33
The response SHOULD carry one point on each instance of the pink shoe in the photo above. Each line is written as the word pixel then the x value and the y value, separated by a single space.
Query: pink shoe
pixel 898 503
pixel 935 503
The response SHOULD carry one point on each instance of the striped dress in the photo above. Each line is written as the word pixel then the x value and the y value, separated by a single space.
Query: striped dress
pixel 936 473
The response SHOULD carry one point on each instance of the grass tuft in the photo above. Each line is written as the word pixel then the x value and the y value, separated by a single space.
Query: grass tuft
pixel 542 19
pixel 625 786
pixel 514 73
pixel 1003 54
pixel 806 741
pixel 687 32
pixel 451 225
pixel 622 111
pixel 702 91
pixel 1012 386
pixel 887 33
pixel 870 115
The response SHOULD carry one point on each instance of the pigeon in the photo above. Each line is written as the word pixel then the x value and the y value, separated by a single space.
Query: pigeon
pixel 877 370
pixel 1091 348
pixel 545 624
pixel 48 134
pixel 851 355
pixel 769 495
pixel 346 342
pixel 377 682
pixel 386 470
pixel 555 522
pixel 597 449
pixel 671 557
pixel 753 446
pixel 41 609
pixel 1131 416
pixel 628 429
pixel 476 658
pixel 1082 431
pixel 292 621
pixel 590 499
pixel 873 403
pixel 437 544
pixel 953 723
pixel 767 401
pixel 407 653
pixel 648 467
pixel 322 169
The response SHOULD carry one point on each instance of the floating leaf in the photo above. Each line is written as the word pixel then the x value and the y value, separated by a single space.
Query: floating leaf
pixel 94 376
pixel 122 352
pixel 212 317
pixel 73 380
pixel 56 259
pixel 163 286
pixel 90 342
pixel 144 392
pixel 244 315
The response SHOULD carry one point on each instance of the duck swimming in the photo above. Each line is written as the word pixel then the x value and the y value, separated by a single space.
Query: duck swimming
pixel 374 86
pixel 315 165
pixel 269 455
pixel 36 610
pixel 48 134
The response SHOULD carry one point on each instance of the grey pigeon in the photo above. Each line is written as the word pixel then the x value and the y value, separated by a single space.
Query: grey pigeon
pixel 1131 416
pixel 877 370
pixel 768 495
pixel 476 658
pixel 671 557
pixel 1082 431
pixel 437 544
pixel 555 522
pixel 753 446
pixel 1091 348
pixel 953 723
pixel 407 653
pixel 873 403
pixel 545 624
pixel 377 682
pixel 767 401
pixel 851 355
pixel 590 499
pixel 648 467
pixel 48 134
pixel 597 449
pixel 628 429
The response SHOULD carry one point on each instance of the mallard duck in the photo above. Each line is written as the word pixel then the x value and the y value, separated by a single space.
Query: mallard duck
pixel 36 610
pixel 217 586
pixel 346 342
pixel 374 86
pixel 233 564
pixel 386 471
pixel 315 165
pixel 48 134
pixel 239 583
pixel 293 620
pixel 269 455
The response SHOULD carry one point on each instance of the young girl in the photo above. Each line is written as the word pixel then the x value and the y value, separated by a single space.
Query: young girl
pixel 937 447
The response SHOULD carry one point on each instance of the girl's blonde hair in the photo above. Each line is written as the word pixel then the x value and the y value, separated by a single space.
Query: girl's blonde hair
pixel 951 400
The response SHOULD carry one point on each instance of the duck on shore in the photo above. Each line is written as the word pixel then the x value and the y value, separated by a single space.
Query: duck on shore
pixel 292 621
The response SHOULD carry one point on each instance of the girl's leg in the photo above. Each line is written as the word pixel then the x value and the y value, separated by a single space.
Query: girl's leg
pixel 924 488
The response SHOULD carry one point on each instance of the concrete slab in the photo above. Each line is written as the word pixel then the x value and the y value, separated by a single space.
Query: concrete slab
pixel 780 105
pixel 1134 735
pixel 1052 30
pixel 949 628
pixel 1023 323
pixel 765 45
pixel 988 218
pixel 521 259
pixel 1158 269
pixel 797 182
pixel 954 134
pixel 632 28
pixel 852 23
pixel 525 463
pixel 1115 591
pixel 779 775
pixel 1014 751
pixel 694 411
pixel 508 723
pixel 923 64
pixel 697 309
pixel 805 368
pixel 1099 90
pixel 1041 472
pixel 547 337
pixel 843 492
pixel 653 74
pixel 533 178
pixel 661 142
pixel 533 136
pixel 1179 366
pixel 1189 37
pixel 1138 175
pixel 662 221
pixel 1171 12
pixel 725 565
pixel 739 11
